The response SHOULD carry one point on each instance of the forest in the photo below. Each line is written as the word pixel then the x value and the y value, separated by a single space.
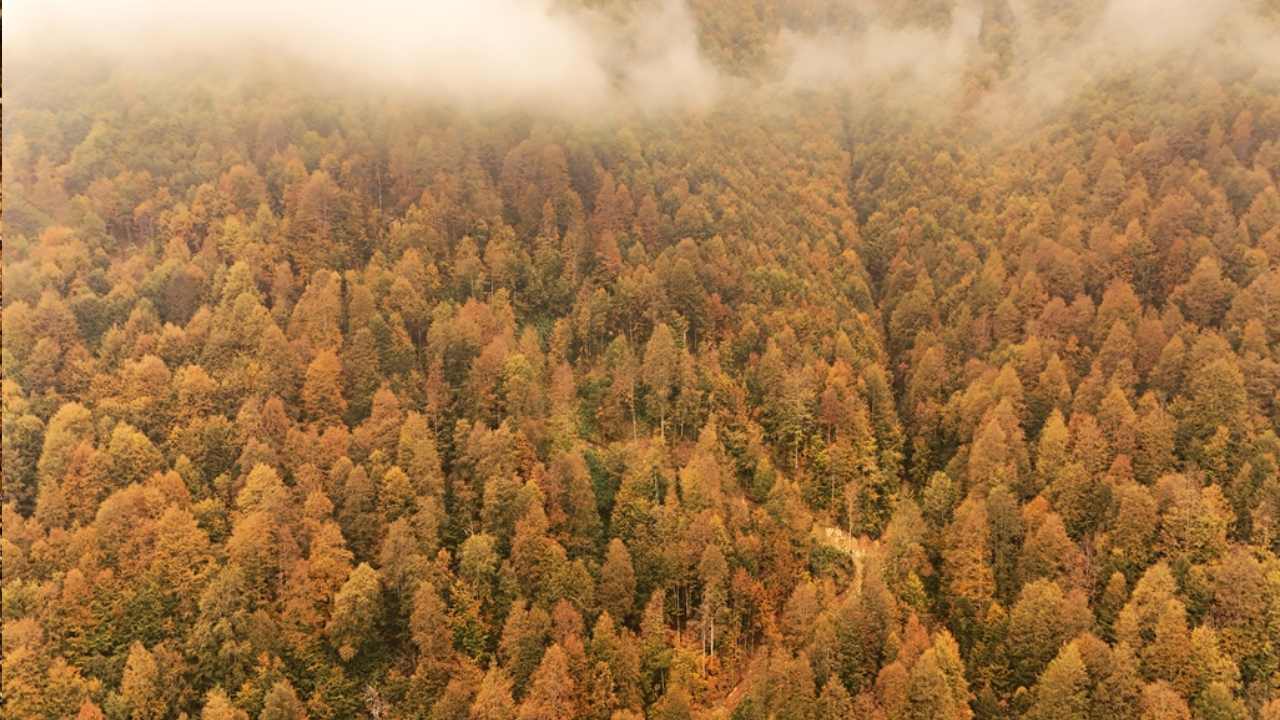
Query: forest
pixel 885 400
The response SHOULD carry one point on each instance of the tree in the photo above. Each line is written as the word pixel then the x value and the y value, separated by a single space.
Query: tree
pixel 429 627
pixel 619 405
pixel 658 372
pixel 396 500
pixel 1156 441
pixel 84 483
pixel 891 689
pixel 1062 690
pixel 89 711
pixel 417 454
pixel 674 705
pixel 553 693
pixel 1049 553
pixel 904 539
pixel 140 685
pixel 70 425
pixel 966 564
pixel 493 700
pixel 182 558
pixel 790 409
pixel 358 514
pixel 617 581
pixel 1238 613
pixel 1209 666
pixel 315 582
pixel 564 407
pixel 713 571
pixel 578 520
pixel 131 457
pixel 357 612
pixel 217 706
pixel 322 390
pixel 947 655
pixel 1117 694
pixel 1161 702
pixel 1051 452
pixel 655 657
pixel 1168 657
pixel 280 373
pixel 834 703
pixel 381 430
pixel 1034 634
pixel 282 703
pixel 262 545
pixel 361 369
pixel 928 694
pixel 22 438
pixel 221 639
pixel 1134 530
pixel 1205 296
pixel 990 460
pixel 701 481
pixel 1217 398
pixel 391 357
pixel 317 316
pixel 523 642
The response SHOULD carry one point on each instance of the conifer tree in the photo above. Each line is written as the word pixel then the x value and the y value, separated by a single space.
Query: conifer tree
pixel 617 581
pixel 357 613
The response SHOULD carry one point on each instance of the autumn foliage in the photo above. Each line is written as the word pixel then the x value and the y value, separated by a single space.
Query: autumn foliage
pixel 322 405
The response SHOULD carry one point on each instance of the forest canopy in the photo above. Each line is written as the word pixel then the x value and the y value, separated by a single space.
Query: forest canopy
pixel 799 360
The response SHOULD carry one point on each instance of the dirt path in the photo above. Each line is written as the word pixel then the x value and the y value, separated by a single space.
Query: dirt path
pixel 856 548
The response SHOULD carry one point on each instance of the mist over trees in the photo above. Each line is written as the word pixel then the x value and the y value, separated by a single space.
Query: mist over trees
pixel 825 360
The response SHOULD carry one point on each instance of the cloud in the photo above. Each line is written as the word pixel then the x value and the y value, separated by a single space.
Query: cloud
pixel 508 52
pixel 1059 50
pixel 1160 24
pixel 1153 37
pixel 667 70
pixel 914 55
pixel 537 54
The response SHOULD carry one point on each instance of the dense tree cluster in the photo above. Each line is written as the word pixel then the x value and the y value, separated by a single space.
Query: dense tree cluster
pixel 318 405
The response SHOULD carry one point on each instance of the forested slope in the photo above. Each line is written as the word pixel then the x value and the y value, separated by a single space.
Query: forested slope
pixel 325 403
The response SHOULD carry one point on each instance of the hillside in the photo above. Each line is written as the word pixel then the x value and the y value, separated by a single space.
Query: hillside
pixel 838 386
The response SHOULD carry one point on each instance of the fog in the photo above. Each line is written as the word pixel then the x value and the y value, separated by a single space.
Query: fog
pixel 1158 35
pixel 535 53
pixel 920 61
pixel 518 52
pixel 1052 59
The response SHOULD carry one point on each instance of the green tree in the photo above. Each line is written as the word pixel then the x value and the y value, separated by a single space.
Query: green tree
pixel 70 425
pixel 357 613
pixel 417 454
pixel 659 372
pixel 1034 634
pixel 524 640
pixel 617 581
pixel 1216 398
pixel 221 639
pixel 1062 690
pixel 131 457
pixel 282 703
